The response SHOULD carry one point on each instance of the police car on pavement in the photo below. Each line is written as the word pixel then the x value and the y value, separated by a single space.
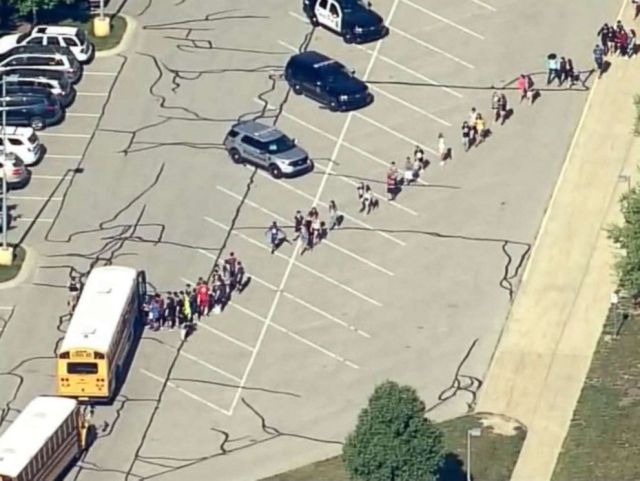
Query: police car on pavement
pixel 354 20
pixel 326 81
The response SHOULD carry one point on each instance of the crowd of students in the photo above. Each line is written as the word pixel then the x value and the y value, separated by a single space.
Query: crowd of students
pixel 181 308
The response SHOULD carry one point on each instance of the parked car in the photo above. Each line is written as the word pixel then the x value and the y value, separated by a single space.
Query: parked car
pixel 353 20
pixel 60 87
pixel 13 169
pixel 33 111
pixel 38 59
pixel 326 81
pixel 24 143
pixel 73 38
pixel 268 148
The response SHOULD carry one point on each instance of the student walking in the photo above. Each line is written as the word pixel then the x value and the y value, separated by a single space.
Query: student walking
pixel 495 105
pixel 360 191
pixel 631 43
pixel 275 236
pixel 202 293
pixel 604 34
pixel 369 202
pixel 238 281
pixel 418 156
pixel 502 108
pixel 466 135
pixel 298 220
pixel 562 73
pixel 598 58
pixel 392 182
pixel 553 68
pixel 571 74
pixel 481 129
pixel 333 215
pixel 443 150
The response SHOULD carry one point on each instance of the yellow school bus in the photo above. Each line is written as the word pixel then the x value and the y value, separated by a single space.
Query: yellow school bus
pixel 91 359
pixel 47 436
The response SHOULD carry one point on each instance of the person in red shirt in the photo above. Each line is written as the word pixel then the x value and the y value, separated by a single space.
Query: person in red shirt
pixel 202 293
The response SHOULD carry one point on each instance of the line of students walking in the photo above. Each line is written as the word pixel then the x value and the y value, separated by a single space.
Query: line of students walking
pixel 180 308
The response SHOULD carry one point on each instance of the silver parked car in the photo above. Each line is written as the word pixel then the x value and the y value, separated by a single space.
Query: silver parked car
pixel 268 148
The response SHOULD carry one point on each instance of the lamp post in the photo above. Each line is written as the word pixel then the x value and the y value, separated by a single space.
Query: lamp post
pixel 471 433
pixel 5 227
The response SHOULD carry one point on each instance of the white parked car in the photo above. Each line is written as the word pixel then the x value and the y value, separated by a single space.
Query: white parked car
pixel 24 143
pixel 75 39
pixel 14 170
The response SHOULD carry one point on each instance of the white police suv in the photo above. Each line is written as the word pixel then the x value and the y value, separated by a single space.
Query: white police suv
pixel 353 20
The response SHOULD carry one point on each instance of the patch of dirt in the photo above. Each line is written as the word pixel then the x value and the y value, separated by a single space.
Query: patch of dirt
pixel 500 424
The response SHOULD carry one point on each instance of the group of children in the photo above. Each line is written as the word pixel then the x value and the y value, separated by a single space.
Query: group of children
pixel 617 40
pixel 180 308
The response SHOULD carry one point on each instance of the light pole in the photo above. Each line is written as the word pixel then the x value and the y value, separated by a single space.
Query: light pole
pixel 5 227
pixel 474 432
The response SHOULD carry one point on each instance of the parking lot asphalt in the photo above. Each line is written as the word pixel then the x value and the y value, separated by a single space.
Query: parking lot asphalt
pixel 416 292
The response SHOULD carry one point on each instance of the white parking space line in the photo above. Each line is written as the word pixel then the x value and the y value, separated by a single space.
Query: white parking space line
pixel 61 156
pixel 105 74
pixel 391 131
pixel 78 114
pixel 28 197
pixel 410 105
pixel 347 216
pixel 376 195
pixel 299 17
pixel 202 363
pixel 431 47
pixel 443 19
pixel 485 5
pixel 48 177
pixel 324 241
pixel 286 45
pixel 298 337
pixel 349 146
pixel 217 332
pixel 33 219
pixel 186 393
pixel 7 308
pixel 424 78
pixel 311 307
pixel 288 295
pixel 302 266
pixel 93 94
pixel 56 134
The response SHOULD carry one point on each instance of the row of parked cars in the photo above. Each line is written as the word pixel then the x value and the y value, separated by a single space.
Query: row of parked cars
pixel 38 71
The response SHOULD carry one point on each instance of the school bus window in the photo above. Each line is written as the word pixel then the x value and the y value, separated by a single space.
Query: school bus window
pixel 82 368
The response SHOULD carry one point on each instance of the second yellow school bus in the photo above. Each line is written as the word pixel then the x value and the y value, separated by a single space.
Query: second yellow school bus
pixel 43 441
pixel 91 359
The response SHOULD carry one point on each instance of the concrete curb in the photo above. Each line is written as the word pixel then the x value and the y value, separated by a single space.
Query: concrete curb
pixel 132 25
pixel 31 256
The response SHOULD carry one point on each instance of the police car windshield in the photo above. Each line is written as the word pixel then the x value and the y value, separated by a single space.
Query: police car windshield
pixel 281 144
pixel 352 4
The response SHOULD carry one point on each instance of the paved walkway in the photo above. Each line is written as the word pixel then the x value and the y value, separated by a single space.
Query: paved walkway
pixel 545 351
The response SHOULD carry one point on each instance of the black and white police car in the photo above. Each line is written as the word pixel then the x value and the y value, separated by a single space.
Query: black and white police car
pixel 354 20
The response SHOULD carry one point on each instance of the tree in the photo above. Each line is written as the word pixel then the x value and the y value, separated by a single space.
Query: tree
pixel 627 238
pixel 27 8
pixel 393 440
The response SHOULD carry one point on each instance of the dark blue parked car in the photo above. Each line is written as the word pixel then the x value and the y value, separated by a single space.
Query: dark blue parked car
pixel 326 81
